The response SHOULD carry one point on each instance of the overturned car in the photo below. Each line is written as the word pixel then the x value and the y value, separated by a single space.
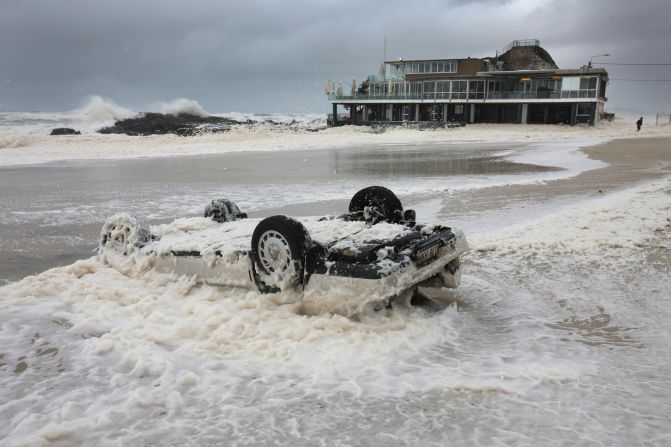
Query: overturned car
pixel 371 258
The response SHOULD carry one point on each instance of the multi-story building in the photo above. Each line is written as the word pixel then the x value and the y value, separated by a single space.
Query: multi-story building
pixel 521 84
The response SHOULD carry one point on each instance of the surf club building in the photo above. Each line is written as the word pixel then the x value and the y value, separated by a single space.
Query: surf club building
pixel 521 84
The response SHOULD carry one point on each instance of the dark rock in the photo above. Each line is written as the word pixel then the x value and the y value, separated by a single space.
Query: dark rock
pixel 65 131
pixel 187 125
pixel 183 124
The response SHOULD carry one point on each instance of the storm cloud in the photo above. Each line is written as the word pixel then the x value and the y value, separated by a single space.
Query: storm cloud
pixel 274 56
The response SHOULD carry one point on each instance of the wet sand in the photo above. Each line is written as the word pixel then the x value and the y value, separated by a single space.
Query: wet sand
pixel 631 161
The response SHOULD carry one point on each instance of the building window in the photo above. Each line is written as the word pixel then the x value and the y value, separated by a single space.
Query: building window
pixel 588 83
pixel 476 89
pixel 442 89
pixel 429 89
pixel 446 66
pixel 578 87
pixel 459 89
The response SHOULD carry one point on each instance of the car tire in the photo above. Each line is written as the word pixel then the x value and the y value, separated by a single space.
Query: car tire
pixel 451 274
pixel 377 204
pixel 279 246
pixel 223 210
pixel 124 233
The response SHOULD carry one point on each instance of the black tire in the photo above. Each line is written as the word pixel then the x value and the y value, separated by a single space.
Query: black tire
pixel 124 232
pixel 223 210
pixel 387 206
pixel 279 246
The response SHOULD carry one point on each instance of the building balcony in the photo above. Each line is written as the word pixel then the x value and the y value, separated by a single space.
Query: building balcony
pixel 383 97
pixel 565 94
pixel 468 96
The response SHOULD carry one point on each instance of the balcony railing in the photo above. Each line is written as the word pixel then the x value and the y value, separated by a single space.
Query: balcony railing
pixel 566 94
pixel 372 97
pixel 462 96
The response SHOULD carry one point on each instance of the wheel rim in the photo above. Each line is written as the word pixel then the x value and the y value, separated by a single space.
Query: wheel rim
pixel 274 252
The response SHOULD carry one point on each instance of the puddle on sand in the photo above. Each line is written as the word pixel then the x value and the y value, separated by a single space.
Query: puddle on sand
pixel 596 330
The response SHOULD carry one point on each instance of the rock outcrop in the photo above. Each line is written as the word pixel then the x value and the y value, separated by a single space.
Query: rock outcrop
pixel 183 124
pixel 186 125
pixel 65 131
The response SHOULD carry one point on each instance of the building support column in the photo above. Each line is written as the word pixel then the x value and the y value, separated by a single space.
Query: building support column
pixel 417 113
pixel 525 114
pixel 390 112
pixel 445 111
pixel 546 116
pixel 519 114
pixel 472 113
pixel 352 114
pixel 592 113
pixel 574 111
pixel 334 122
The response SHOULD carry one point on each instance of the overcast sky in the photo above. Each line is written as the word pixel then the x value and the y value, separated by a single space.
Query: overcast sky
pixel 274 56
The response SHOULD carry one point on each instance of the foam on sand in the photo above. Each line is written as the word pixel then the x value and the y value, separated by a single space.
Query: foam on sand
pixel 38 147
pixel 155 358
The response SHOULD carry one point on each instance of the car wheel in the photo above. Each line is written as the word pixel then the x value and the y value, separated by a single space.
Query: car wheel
pixel 279 245
pixel 377 204
pixel 451 274
pixel 223 210
pixel 124 233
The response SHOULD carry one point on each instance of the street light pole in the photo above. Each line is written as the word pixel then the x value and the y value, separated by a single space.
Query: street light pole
pixel 589 64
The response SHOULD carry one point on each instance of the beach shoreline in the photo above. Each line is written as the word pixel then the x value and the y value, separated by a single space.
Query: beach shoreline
pixel 24 144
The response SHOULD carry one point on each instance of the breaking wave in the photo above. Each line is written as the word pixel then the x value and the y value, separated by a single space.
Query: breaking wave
pixel 13 141
pixel 99 109
pixel 181 105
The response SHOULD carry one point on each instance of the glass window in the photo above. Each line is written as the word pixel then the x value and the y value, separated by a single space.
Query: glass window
pixel 588 83
pixel 458 89
pixel 476 89
pixel 570 83
pixel 429 89
pixel 442 89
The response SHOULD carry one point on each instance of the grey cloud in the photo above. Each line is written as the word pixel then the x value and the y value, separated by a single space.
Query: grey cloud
pixel 273 56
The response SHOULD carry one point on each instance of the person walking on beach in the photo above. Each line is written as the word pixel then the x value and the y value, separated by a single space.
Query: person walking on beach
pixel 639 124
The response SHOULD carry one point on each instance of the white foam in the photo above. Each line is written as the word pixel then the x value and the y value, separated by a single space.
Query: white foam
pixel 139 358
pixel 180 105
pixel 101 110
pixel 90 145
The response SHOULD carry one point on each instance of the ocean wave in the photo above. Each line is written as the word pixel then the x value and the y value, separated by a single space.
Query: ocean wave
pixel 13 141
pixel 179 106
pixel 99 109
